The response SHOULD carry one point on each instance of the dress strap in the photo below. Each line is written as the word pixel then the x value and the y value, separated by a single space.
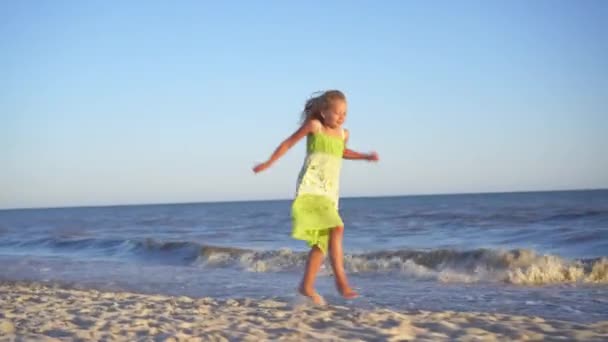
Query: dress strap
pixel 343 134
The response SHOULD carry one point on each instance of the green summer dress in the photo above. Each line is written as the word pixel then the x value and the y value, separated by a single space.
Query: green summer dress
pixel 314 211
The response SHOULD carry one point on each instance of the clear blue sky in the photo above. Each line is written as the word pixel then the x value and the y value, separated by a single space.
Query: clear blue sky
pixel 112 102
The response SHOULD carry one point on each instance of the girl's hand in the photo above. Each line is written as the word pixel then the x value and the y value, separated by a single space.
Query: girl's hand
pixel 303 131
pixel 372 157
pixel 261 167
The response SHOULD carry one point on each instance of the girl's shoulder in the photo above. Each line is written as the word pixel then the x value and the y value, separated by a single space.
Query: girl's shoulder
pixel 315 126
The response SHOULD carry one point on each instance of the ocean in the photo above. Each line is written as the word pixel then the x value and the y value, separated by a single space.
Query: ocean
pixel 534 253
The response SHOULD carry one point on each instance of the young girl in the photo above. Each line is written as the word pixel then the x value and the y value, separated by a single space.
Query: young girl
pixel 314 211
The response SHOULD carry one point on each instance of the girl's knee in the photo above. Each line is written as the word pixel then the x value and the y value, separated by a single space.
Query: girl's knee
pixel 338 230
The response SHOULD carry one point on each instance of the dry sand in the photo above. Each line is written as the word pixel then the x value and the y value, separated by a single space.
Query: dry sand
pixel 33 312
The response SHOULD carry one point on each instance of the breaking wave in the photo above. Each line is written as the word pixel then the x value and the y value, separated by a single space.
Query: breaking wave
pixel 517 266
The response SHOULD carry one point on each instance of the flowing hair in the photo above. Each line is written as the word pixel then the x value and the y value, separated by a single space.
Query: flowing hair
pixel 319 102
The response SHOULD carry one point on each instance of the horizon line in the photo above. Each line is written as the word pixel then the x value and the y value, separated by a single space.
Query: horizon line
pixel 287 199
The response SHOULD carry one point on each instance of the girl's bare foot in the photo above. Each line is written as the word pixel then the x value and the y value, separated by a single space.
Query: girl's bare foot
pixel 312 295
pixel 348 293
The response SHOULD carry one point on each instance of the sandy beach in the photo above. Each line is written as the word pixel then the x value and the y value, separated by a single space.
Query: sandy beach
pixel 33 311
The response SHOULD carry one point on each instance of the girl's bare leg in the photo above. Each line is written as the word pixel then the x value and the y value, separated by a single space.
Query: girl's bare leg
pixel 337 263
pixel 313 264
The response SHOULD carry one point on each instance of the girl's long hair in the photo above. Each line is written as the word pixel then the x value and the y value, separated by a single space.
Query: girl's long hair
pixel 317 104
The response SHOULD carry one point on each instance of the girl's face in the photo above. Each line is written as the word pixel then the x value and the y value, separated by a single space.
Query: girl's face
pixel 335 115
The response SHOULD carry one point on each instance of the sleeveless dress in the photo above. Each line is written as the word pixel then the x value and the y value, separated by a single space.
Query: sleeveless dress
pixel 314 211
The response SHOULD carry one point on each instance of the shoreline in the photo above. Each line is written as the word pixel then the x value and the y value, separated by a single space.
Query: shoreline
pixel 36 311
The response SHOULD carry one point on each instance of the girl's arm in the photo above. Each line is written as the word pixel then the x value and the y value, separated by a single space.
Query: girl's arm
pixel 303 131
pixel 354 155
